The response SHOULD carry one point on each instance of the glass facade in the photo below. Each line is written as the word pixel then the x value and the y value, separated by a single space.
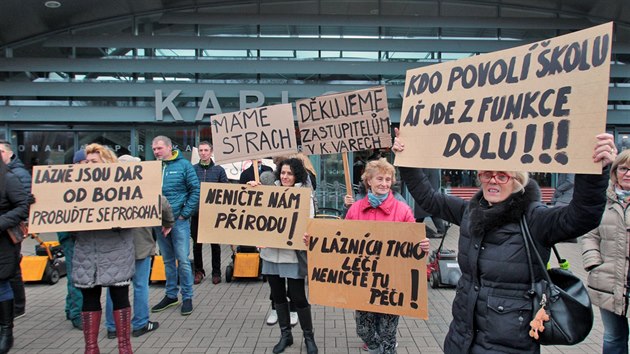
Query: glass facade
pixel 304 52
pixel 44 147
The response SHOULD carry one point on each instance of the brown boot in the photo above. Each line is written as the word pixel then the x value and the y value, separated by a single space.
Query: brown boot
pixel 91 323
pixel 122 319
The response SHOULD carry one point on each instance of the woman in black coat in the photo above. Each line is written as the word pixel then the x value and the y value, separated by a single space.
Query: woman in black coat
pixel 14 204
pixel 491 312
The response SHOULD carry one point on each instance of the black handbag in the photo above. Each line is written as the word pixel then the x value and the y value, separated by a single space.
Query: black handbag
pixel 563 297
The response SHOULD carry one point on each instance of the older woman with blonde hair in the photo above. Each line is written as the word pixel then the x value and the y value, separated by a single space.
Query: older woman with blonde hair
pixel 605 256
pixel 492 309
pixel 378 330
pixel 104 258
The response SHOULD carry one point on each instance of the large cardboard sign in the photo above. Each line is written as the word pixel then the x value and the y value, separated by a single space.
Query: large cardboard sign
pixel 536 107
pixel 348 121
pixel 263 216
pixel 253 133
pixel 96 196
pixel 369 266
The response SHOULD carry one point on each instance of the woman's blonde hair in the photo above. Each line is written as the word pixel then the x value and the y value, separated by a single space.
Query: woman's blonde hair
pixel 378 166
pixel 622 159
pixel 106 154
pixel 520 179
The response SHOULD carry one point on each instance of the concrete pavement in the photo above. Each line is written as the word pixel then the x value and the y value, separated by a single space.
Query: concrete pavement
pixel 230 318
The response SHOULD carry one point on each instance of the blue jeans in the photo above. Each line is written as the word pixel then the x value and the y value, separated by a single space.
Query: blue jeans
pixel 615 333
pixel 6 293
pixel 176 247
pixel 140 298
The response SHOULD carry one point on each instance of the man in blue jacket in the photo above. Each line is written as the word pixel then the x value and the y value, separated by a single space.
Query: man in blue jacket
pixel 207 171
pixel 180 186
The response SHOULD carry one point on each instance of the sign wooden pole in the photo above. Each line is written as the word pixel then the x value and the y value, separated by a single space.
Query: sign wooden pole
pixel 256 174
pixel 346 172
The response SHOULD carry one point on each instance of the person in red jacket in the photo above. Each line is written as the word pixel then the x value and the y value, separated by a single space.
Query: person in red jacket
pixel 378 330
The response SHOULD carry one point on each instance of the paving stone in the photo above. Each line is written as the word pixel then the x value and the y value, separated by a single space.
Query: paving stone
pixel 230 318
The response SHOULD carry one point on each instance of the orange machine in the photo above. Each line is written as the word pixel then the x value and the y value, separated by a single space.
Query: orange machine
pixel 47 265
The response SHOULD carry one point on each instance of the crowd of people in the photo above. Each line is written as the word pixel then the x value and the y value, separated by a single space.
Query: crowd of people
pixel 491 312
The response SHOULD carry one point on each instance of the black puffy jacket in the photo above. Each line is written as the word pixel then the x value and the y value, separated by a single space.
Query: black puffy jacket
pixel 14 203
pixel 491 312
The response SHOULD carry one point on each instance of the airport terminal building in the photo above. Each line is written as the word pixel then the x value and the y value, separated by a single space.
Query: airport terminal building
pixel 120 73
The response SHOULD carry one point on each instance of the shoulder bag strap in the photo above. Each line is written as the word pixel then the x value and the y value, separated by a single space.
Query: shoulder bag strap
pixel 529 256
pixel 528 239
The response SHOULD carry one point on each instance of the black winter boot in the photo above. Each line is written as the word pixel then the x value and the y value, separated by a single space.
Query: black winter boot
pixel 284 320
pixel 6 326
pixel 306 322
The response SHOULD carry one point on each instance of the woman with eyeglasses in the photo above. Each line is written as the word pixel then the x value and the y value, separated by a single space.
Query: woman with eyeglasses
pixel 605 256
pixel 491 310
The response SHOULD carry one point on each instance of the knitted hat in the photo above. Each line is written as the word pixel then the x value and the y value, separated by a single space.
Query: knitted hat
pixel 128 158
pixel 79 156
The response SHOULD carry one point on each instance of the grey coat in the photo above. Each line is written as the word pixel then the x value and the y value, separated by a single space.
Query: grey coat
pixel 143 236
pixel 605 255
pixel 103 257
pixel 564 189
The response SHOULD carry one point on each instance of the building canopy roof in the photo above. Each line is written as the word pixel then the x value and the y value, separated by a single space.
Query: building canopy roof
pixel 27 21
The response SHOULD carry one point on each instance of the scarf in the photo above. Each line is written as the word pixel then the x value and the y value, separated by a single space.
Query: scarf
pixel 376 200
pixel 485 218
pixel 622 194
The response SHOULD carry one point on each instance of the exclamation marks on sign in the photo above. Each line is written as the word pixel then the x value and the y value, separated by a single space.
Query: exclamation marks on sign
pixel 415 280
pixel 294 220
pixel 530 137
pixel 562 141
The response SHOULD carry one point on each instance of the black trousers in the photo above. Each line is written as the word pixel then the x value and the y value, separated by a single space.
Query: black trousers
pixel 273 303
pixel 296 291
pixel 198 247
pixel 92 297
pixel 17 284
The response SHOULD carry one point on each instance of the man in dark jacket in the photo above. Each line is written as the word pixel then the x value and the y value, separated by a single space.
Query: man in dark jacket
pixel 17 167
pixel 181 187
pixel 248 174
pixel 207 171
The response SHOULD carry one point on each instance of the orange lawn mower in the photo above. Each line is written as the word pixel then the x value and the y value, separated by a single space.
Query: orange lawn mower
pixel 48 264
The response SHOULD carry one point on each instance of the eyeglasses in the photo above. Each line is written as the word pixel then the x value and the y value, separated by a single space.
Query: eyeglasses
pixel 499 177
pixel 623 169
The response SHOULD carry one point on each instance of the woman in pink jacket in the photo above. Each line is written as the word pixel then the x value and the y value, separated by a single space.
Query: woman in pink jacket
pixel 378 330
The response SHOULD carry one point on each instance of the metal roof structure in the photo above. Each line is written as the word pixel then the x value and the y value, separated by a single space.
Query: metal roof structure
pixel 63 60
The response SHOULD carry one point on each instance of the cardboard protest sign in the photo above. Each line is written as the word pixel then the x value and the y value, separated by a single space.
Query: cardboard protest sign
pixel 536 107
pixel 96 196
pixel 368 266
pixel 253 133
pixel 264 216
pixel 343 122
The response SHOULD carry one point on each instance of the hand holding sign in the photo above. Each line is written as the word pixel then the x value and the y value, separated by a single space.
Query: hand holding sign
pixel 605 150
